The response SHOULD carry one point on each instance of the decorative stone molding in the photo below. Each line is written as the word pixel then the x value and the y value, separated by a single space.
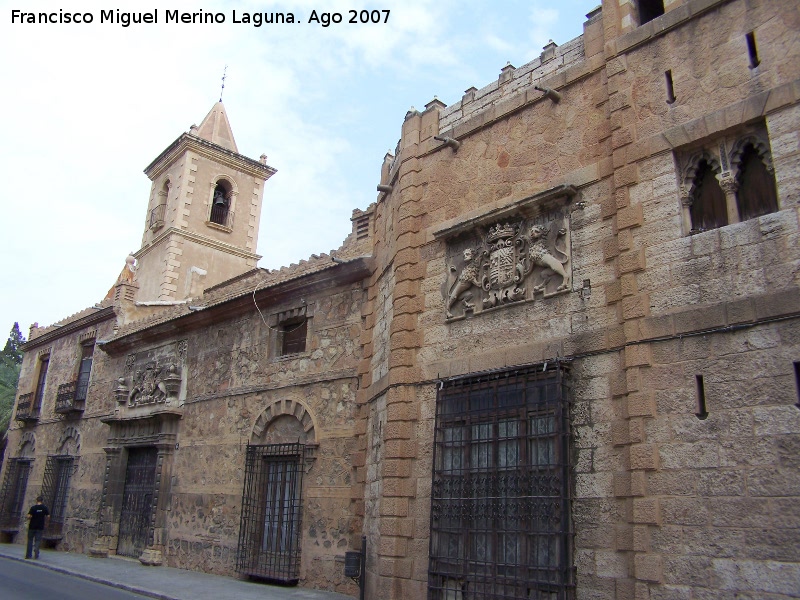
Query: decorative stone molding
pixel 291 314
pixel 88 336
pixel 518 254
pixel 285 407
pixel 70 441
pixel 153 377
pixel 759 141
pixel 27 445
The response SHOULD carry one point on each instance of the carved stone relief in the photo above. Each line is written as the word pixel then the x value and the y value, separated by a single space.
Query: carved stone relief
pixel 512 260
pixel 153 377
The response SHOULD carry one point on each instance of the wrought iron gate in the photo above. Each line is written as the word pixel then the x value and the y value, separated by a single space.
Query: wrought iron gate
pixel 55 490
pixel 500 520
pixel 137 501
pixel 12 495
pixel 269 532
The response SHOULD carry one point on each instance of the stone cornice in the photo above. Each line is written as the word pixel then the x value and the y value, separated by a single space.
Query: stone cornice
pixel 209 150
pixel 203 315
pixel 102 314
pixel 528 206
pixel 198 239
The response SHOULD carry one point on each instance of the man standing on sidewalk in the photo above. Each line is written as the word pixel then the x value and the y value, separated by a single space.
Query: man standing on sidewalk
pixel 38 516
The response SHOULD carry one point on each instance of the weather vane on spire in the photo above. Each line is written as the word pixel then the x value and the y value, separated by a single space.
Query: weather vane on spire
pixel 224 75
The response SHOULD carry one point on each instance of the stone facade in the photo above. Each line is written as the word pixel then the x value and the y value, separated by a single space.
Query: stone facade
pixel 540 366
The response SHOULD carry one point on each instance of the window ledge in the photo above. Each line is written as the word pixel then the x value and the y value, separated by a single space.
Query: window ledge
pixel 219 227
pixel 288 357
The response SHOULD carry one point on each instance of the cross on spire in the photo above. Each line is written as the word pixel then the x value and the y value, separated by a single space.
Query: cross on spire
pixel 224 75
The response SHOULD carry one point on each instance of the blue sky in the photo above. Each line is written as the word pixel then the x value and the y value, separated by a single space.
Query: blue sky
pixel 87 107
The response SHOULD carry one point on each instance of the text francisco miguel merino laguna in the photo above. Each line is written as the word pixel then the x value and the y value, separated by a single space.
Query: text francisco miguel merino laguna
pixel 256 19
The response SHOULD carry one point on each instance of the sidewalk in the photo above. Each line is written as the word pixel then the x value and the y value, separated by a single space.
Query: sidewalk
pixel 164 583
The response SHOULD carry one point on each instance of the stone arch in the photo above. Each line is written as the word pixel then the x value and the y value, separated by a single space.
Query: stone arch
pixel 761 147
pixel 689 172
pixel 27 445
pixel 70 441
pixel 285 408
pixel 222 200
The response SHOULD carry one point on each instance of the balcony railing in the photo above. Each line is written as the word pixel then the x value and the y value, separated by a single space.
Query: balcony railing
pixel 71 397
pixel 26 411
pixel 221 215
pixel 157 216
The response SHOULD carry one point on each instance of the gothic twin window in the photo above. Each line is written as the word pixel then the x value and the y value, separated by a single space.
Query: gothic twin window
pixel 719 187
pixel 500 524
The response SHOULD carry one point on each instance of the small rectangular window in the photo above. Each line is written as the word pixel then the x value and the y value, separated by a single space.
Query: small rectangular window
pixel 702 409
pixel 797 382
pixel 752 49
pixel 293 336
pixel 670 87
pixel 649 10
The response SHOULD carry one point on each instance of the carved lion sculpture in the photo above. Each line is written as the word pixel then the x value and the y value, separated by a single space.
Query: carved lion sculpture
pixel 539 255
pixel 466 279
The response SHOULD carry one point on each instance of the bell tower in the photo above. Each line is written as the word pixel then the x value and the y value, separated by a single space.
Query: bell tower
pixel 203 215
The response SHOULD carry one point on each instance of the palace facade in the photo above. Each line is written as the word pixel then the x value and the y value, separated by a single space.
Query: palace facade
pixel 558 358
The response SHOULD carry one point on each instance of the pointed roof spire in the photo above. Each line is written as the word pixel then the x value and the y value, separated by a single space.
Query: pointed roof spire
pixel 217 129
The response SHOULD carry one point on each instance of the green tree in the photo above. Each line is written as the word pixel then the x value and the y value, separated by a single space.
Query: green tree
pixel 10 363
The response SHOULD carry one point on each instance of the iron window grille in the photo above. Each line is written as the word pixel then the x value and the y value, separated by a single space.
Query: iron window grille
pixel 12 495
pixel 25 408
pixel 221 213
pixel 500 500
pixel 270 528
pixel 157 216
pixel 55 490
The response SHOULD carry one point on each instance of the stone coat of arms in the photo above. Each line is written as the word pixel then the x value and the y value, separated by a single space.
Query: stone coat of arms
pixel 511 261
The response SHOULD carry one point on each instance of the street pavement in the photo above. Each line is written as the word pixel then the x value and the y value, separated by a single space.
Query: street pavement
pixel 164 583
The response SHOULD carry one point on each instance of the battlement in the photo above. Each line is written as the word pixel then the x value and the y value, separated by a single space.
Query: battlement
pixel 552 60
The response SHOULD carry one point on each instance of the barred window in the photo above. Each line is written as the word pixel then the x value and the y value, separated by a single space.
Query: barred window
pixel 12 495
pixel 55 491
pixel 500 518
pixel 270 527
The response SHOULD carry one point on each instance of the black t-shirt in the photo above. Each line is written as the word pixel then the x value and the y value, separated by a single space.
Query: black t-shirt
pixel 38 512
